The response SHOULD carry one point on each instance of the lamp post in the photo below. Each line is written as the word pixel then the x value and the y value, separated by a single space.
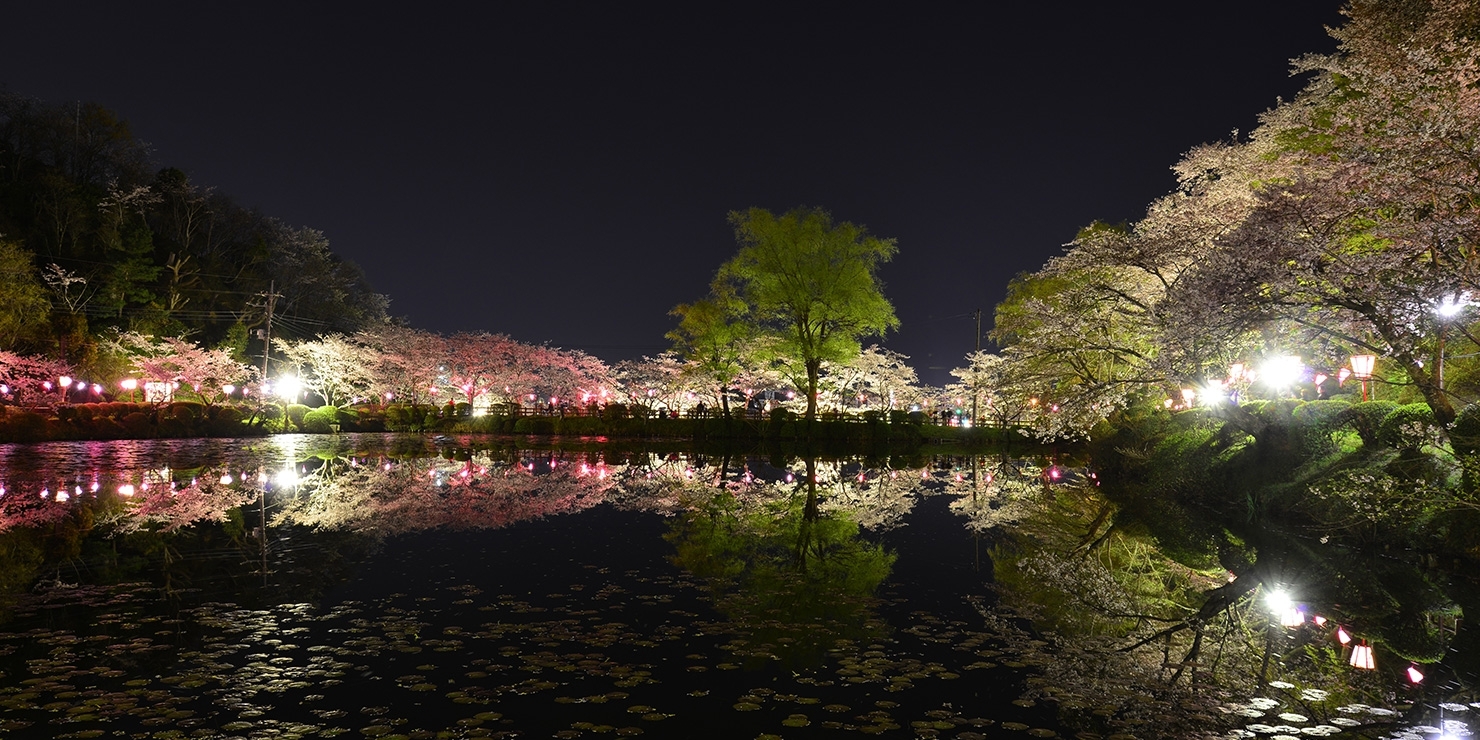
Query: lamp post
pixel 1362 366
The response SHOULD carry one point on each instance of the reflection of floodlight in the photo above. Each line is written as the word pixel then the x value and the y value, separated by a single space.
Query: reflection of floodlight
pixel 1281 371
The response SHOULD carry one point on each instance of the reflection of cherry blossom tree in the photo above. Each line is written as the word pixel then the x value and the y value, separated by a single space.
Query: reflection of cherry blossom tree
pixel 169 508
pixel 387 497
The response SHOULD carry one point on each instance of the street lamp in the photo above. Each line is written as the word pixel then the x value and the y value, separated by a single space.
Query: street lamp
pixel 1362 366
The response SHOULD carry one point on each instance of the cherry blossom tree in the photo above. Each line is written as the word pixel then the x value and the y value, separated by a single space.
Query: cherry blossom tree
pixel 207 372
pixel 335 367
pixel 29 379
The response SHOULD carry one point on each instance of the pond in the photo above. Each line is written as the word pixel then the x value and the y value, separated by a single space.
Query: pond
pixel 401 586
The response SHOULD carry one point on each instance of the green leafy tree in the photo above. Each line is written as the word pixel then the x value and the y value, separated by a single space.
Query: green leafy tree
pixel 23 303
pixel 811 284
pixel 710 336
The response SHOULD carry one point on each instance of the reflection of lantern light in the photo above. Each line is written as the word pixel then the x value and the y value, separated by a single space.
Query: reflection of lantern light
pixel 1414 675
pixel 1342 636
pixel 1362 657
pixel 226 480
pixel 126 489
pixel 1292 618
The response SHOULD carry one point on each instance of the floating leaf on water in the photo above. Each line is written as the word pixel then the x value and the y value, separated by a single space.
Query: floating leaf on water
pixel 1025 702
pixel 1042 732
pixel 1281 685
pixel 746 706
pixel 1294 718
pixel 655 717
pixel 629 731
pixel 639 709
pixel 1016 726
pixel 796 720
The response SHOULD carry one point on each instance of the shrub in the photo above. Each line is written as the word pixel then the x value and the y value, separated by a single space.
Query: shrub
pixel 534 425
pixel 185 411
pixel 1408 427
pixel 138 424
pixel 1465 434
pixel 296 412
pixel 22 426
pixel 614 412
pixel 319 420
pixel 1366 418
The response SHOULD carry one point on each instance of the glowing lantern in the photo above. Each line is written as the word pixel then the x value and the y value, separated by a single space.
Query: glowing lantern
pixel 1292 617
pixel 64 381
pixel 1414 675
pixel 1342 636
pixel 1362 366
pixel 1362 657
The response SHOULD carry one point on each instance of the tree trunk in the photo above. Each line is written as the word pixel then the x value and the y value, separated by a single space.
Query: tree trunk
pixel 814 369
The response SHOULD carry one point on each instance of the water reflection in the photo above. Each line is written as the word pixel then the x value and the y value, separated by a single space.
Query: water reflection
pixel 1115 615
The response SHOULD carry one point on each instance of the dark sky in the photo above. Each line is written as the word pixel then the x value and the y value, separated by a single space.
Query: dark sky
pixel 562 172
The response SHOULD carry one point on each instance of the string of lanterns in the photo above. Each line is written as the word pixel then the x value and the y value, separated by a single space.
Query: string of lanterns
pixel 1362 657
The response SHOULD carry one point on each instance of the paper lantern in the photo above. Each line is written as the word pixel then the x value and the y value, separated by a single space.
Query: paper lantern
pixel 1342 636
pixel 1362 657
pixel 1414 675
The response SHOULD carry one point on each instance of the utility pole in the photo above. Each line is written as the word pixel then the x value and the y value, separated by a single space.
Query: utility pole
pixel 266 333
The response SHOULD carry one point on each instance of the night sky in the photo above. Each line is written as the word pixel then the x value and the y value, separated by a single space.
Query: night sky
pixel 562 172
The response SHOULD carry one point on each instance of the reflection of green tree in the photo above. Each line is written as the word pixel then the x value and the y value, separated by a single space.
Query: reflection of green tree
pixel 792 580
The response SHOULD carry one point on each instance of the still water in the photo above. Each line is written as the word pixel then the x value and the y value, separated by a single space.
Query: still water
pixel 390 586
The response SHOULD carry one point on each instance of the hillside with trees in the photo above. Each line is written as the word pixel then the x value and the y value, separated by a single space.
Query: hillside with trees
pixel 98 237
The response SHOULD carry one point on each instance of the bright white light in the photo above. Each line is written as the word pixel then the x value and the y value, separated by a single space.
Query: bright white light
pixel 287 477
pixel 1278 600
pixel 1281 371
pixel 1452 305
pixel 288 387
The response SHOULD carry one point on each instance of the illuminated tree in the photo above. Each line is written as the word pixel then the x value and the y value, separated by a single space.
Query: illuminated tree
pixel 206 372
pixel 335 367
pixel 29 378
pixel 711 336
pixel 811 284
pixel 407 371
pixel 876 379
